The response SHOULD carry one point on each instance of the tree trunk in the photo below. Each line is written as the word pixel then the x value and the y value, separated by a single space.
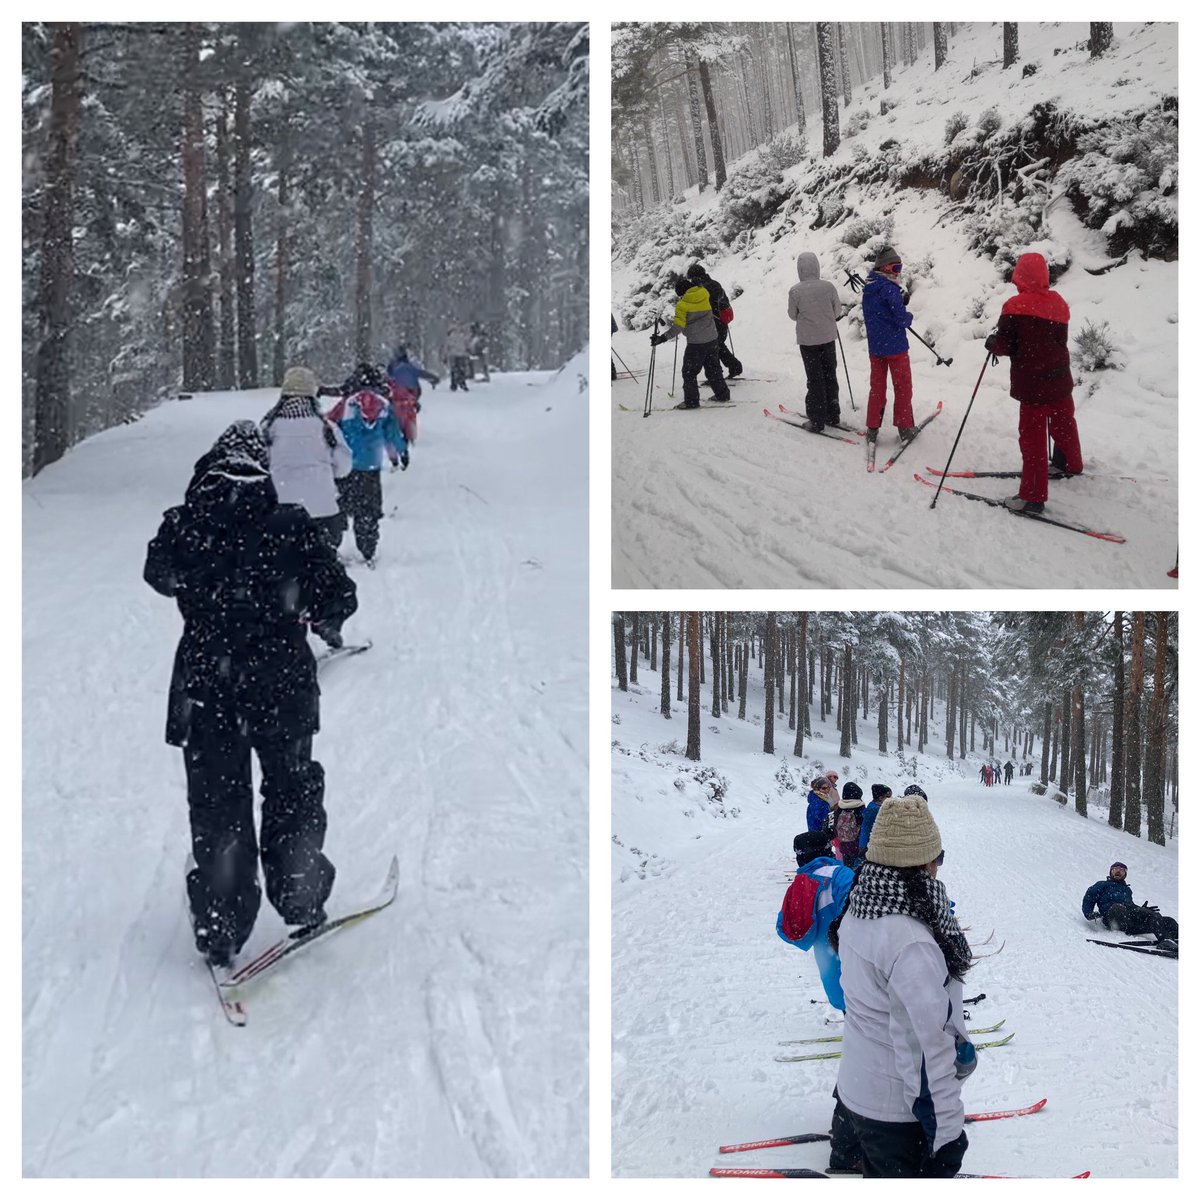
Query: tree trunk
pixel 742 681
pixel 769 687
pixel 849 706
pixel 714 132
pixel 693 737
pixel 1010 43
pixel 883 715
pixel 800 119
pixel 634 643
pixel 801 686
pixel 668 142
pixel 1101 37
pixel 227 328
pixel 364 245
pixel 682 639
pixel 844 64
pixel 940 44
pixel 243 238
pixel 1077 733
pixel 282 266
pixel 951 690
pixel 664 702
pixel 52 386
pixel 831 133
pixel 199 340
pixel 900 707
pixel 714 645
pixel 1047 718
pixel 1156 735
pixel 1133 727
pixel 653 644
pixel 697 127
pixel 887 55
pixel 619 648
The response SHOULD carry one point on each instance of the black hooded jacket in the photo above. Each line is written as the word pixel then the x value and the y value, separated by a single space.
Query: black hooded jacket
pixel 245 571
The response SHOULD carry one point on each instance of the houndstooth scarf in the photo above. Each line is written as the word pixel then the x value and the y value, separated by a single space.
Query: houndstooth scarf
pixel 880 890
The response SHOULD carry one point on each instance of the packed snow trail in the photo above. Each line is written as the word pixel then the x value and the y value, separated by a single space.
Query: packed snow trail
pixel 444 1036
pixel 704 989
pixel 738 501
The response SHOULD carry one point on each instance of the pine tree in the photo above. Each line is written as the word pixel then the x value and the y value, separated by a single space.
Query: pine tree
pixel 831 133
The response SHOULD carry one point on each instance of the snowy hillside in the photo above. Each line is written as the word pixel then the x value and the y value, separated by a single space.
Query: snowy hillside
pixel 445 1036
pixel 704 989
pixel 737 500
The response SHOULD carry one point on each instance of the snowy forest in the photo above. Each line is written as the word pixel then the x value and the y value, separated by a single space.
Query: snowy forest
pixel 1090 699
pixel 204 203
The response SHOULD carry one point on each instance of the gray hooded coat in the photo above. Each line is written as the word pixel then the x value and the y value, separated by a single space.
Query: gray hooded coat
pixel 813 304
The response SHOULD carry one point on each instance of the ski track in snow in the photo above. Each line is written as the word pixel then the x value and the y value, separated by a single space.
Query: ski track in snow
pixel 740 501
pixel 704 989
pixel 444 1036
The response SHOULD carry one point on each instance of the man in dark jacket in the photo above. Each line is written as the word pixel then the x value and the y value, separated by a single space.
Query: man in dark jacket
pixel 247 572
pixel 1111 902
pixel 694 319
pixel 1033 333
pixel 722 314
pixel 886 317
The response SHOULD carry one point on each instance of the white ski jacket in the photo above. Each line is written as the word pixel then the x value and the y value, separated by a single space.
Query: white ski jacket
pixel 903 1009
pixel 303 464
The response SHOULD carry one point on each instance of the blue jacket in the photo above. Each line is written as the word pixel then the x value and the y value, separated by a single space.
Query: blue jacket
pixel 868 820
pixel 885 316
pixel 835 881
pixel 368 439
pixel 818 812
pixel 1104 895
pixel 408 374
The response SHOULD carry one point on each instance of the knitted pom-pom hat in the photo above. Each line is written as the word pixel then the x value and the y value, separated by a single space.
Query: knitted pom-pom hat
pixel 904 834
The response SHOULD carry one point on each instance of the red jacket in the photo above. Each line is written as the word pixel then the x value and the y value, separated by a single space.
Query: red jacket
pixel 1033 333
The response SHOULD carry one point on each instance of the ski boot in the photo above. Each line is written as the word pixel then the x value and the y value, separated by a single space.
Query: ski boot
pixel 1017 505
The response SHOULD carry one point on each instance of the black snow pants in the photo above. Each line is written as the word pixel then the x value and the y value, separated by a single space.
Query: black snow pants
pixel 362 498
pixel 729 360
pixel 706 356
pixel 845 1154
pixel 899 1150
pixel 460 372
pixel 223 888
pixel 332 528
pixel 821 400
pixel 1133 918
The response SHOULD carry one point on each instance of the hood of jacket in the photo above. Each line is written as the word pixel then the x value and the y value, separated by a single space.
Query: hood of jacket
pixel 807 266
pixel 370 404
pixel 694 300
pixel 1031 274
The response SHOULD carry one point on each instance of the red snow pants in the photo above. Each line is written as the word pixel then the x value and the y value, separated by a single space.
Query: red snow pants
pixel 1036 419
pixel 902 415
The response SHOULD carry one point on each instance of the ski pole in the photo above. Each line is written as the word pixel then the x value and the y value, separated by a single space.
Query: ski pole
pixel 621 361
pixel 941 362
pixel 650 373
pixel 846 367
pixel 671 393
pixel 936 494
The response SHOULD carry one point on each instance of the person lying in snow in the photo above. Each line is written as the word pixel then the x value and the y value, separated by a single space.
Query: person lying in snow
pixel 1110 901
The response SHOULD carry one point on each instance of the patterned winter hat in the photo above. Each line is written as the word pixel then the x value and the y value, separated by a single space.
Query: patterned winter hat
pixel 299 381
pixel 913 790
pixel 851 790
pixel 885 258
pixel 241 445
pixel 811 844
pixel 904 834
pixel 880 791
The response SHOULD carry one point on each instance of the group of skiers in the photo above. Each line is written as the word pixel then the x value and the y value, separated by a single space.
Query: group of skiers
pixel 464 345
pixel 991 772
pixel 250 557
pixel 892 957
pixel 1032 332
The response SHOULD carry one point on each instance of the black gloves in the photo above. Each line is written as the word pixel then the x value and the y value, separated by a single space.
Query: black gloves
pixel 657 339
pixel 330 632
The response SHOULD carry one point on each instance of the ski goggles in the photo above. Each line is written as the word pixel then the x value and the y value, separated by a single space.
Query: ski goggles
pixel 941 858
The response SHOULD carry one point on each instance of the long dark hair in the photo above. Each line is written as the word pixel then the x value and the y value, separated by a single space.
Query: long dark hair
pixel 917 884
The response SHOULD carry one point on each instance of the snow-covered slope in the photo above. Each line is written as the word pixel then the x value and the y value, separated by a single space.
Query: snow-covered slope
pixel 446 1036
pixel 736 500
pixel 704 989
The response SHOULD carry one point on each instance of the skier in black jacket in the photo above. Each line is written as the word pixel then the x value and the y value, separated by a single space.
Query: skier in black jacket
pixel 247 572
pixel 722 312
pixel 1110 901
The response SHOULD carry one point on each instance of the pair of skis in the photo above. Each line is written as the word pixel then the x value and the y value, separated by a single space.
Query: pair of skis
pixel 838 1037
pixel 806 1173
pixel 793 1058
pixel 903 445
pixel 228 983
pixel 1151 948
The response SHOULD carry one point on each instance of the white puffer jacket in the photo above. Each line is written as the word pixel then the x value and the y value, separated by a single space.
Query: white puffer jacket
pixel 303 464
pixel 903 1009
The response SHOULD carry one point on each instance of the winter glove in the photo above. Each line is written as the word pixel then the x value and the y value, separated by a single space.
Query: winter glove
pixel 964 1057
pixel 989 341
pixel 1149 907
pixel 657 339
pixel 330 632
pixel 404 461
pixel 1094 917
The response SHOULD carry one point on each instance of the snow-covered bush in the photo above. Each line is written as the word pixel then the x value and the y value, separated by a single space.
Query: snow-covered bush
pixel 670 243
pixel 955 125
pixel 856 122
pixel 786 150
pixel 754 193
pixel 860 229
pixel 1094 349
pixel 990 121
pixel 785 779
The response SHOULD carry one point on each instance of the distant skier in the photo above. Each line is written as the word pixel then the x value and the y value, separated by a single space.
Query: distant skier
pixel 887 319
pixel 404 377
pixel 1008 771
pixel 905 1052
pixel 456 350
pixel 847 824
pixel 821 799
pixel 879 793
pixel 983 773
pixel 371 431
pixel 722 316
pixel 1033 333
pixel 1111 902
pixel 694 319
pixel 308 453
pixel 815 306
pixel 813 900
pixel 247 572
pixel 479 345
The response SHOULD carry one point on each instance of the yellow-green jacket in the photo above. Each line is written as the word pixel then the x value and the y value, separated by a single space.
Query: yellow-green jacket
pixel 693 317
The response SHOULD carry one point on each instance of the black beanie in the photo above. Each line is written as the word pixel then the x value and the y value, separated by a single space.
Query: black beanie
pixel 913 790
pixel 808 846
pixel 852 792
pixel 682 285
pixel 695 271
pixel 879 791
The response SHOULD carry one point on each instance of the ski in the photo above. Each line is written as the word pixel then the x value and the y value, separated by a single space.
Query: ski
pixel 905 445
pixel 819 433
pixel 976 999
pixel 870 455
pixel 806 1173
pixel 287 946
pixel 790 1058
pixel 740 379
pixel 998 503
pixel 797 1138
pixel 231 1006
pixel 682 407
pixel 347 651
pixel 1053 475
pixel 1136 949
pixel 838 1037
pixel 791 412
pixel 990 953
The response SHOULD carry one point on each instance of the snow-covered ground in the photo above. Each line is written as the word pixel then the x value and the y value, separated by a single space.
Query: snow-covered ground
pixel 704 989
pixel 736 500
pixel 446 1036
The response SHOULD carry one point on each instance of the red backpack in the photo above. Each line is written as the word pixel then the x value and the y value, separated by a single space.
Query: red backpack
pixel 796 916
